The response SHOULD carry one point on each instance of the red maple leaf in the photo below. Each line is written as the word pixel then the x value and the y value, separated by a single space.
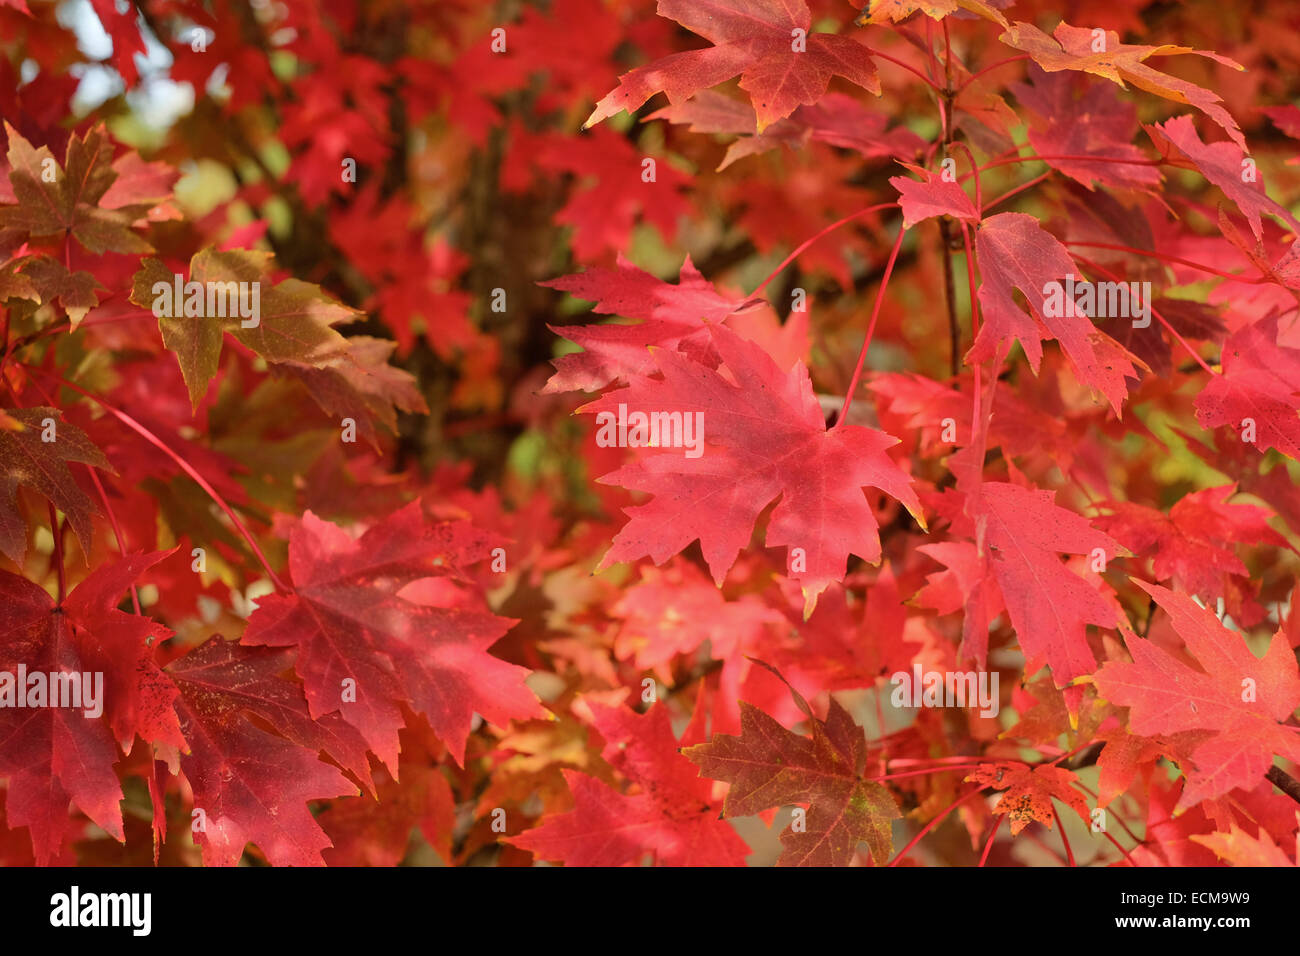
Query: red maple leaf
pixel 672 316
pixel 1025 531
pixel 52 752
pixel 1222 164
pixel 782 65
pixel 1077 118
pixel 1258 390
pixel 1239 697
pixel 671 815
pixel 1076 48
pixel 759 440
pixel 1193 544
pixel 30 460
pixel 354 618
pixel 1015 252
pixel 1030 792
pixel 251 785
pixel 932 196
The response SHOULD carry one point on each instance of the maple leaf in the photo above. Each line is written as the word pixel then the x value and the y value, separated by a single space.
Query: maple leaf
pixel 141 185
pixel 1030 791
pixel 673 316
pixel 1170 831
pixel 1257 389
pixel 358 383
pixel 1238 696
pixel 53 199
pixel 1015 252
pixel 353 618
pixel 759 440
pixel 376 832
pixel 612 192
pixel 1284 272
pixel 967 585
pixel 932 196
pixel 1076 118
pixel 767 42
pixel 295 322
pixel 77 291
pixel 252 785
pixel 1049 605
pixel 52 753
pixel 31 461
pixel 1193 544
pixel 1221 164
pixel 1241 849
pixel 892 11
pixel 674 610
pixel 15 285
pixel 769 766
pixel 671 815
pixel 293 330
pixel 1072 48
pixel 120 24
pixel 836 119
pixel 1127 756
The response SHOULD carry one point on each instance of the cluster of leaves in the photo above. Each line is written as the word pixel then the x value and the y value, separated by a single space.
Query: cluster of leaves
pixel 365 588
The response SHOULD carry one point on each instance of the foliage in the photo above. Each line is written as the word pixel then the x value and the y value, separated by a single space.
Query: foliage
pixel 887 427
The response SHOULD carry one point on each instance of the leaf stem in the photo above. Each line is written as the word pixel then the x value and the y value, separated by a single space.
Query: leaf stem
pixel 992 66
pixel 911 69
pixel 934 823
pixel 808 242
pixel 871 327
pixel 988 846
pixel 1068 158
pixel 979 206
pixel 1018 189
pixel 1069 853
pixel 1151 254
pixel 929 770
pixel 117 529
pixel 56 529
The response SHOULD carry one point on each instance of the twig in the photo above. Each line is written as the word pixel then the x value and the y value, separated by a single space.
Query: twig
pixel 1284 782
